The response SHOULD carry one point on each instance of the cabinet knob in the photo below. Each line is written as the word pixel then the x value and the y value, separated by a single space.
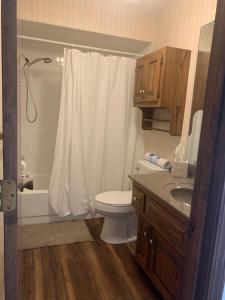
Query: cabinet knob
pixel 141 92
pixel 145 233
pixel 151 241
pixel 134 198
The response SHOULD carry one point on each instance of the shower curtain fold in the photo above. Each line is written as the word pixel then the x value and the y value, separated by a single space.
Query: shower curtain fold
pixel 97 131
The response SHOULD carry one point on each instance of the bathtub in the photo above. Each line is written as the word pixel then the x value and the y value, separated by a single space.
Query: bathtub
pixel 33 205
pixel 34 208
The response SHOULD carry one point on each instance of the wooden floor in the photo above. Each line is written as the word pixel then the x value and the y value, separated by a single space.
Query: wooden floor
pixel 89 270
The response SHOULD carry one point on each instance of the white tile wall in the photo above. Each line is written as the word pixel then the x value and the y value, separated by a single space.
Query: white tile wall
pixel 38 139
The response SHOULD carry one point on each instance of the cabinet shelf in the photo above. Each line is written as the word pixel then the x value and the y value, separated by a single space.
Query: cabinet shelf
pixel 159 129
pixel 157 120
pixel 148 119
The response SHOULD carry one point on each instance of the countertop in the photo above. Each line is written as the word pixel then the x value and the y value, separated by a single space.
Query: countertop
pixel 160 184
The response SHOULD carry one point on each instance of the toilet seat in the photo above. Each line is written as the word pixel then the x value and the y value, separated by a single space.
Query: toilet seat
pixel 115 198
pixel 114 202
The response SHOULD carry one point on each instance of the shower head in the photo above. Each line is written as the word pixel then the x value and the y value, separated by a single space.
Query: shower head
pixel 29 63
pixel 47 60
pixel 30 100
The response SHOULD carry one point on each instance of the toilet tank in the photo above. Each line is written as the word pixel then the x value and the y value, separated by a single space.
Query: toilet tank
pixel 146 167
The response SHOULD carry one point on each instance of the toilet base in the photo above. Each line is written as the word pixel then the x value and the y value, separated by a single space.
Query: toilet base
pixel 117 231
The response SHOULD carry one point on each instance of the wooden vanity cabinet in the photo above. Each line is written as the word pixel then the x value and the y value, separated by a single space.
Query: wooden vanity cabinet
pixel 160 248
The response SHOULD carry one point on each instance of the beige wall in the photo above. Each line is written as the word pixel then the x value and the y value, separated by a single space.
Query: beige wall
pixel 178 24
pixel 103 16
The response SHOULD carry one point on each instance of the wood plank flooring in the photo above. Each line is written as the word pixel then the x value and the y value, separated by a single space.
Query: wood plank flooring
pixel 84 271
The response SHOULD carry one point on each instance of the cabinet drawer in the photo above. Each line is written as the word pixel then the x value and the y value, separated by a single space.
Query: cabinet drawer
pixel 169 227
pixel 138 200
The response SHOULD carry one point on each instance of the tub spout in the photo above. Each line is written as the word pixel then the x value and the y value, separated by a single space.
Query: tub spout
pixel 27 185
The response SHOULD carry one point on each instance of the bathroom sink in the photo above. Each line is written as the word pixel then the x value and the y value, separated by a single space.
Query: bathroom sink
pixel 182 194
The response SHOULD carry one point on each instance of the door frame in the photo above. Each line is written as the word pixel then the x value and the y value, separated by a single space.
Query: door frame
pixel 9 103
pixel 205 264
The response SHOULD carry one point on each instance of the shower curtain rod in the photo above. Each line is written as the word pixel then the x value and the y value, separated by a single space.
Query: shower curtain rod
pixel 77 45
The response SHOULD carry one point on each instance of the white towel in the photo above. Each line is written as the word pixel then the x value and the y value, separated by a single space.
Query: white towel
pixel 163 163
pixel 147 155
pixel 159 161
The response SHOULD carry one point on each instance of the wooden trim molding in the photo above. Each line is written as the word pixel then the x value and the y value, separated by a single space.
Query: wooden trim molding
pixel 9 96
pixel 205 264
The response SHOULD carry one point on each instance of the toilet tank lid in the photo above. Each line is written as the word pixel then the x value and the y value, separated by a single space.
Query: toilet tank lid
pixel 148 166
pixel 115 198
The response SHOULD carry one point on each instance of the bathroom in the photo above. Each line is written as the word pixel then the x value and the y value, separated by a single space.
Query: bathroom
pixel 111 97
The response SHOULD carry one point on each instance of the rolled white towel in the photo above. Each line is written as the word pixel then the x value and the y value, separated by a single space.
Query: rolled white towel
pixel 147 155
pixel 159 161
pixel 151 157
pixel 163 163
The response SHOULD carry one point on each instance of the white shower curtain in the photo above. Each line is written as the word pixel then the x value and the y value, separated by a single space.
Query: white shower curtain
pixel 97 131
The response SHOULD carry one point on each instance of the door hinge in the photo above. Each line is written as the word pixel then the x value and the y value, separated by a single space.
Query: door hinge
pixel 8 195
pixel 191 231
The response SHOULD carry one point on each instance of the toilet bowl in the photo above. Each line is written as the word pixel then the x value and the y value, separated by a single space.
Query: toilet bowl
pixel 120 218
pixel 120 222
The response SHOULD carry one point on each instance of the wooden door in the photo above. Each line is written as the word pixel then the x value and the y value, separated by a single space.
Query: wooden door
pixel 2 288
pixel 139 81
pixel 143 245
pixel 153 73
pixel 9 113
pixel 205 262
pixel 165 269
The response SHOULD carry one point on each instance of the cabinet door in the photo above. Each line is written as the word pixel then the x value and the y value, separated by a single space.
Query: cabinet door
pixel 143 245
pixel 165 269
pixel 138 200
pixel 139 81
pixel 153 73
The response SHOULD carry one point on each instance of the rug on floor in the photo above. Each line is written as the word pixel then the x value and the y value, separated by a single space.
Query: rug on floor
pixel 53 234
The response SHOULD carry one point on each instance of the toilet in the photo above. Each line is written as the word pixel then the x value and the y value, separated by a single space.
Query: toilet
pixel 120 222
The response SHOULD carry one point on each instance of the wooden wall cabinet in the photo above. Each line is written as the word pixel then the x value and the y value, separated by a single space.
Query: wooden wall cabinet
pixel 147 80
pixel 161 82
pixel 161 242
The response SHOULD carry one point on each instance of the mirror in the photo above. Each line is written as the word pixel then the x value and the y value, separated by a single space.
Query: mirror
pixel 204 51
